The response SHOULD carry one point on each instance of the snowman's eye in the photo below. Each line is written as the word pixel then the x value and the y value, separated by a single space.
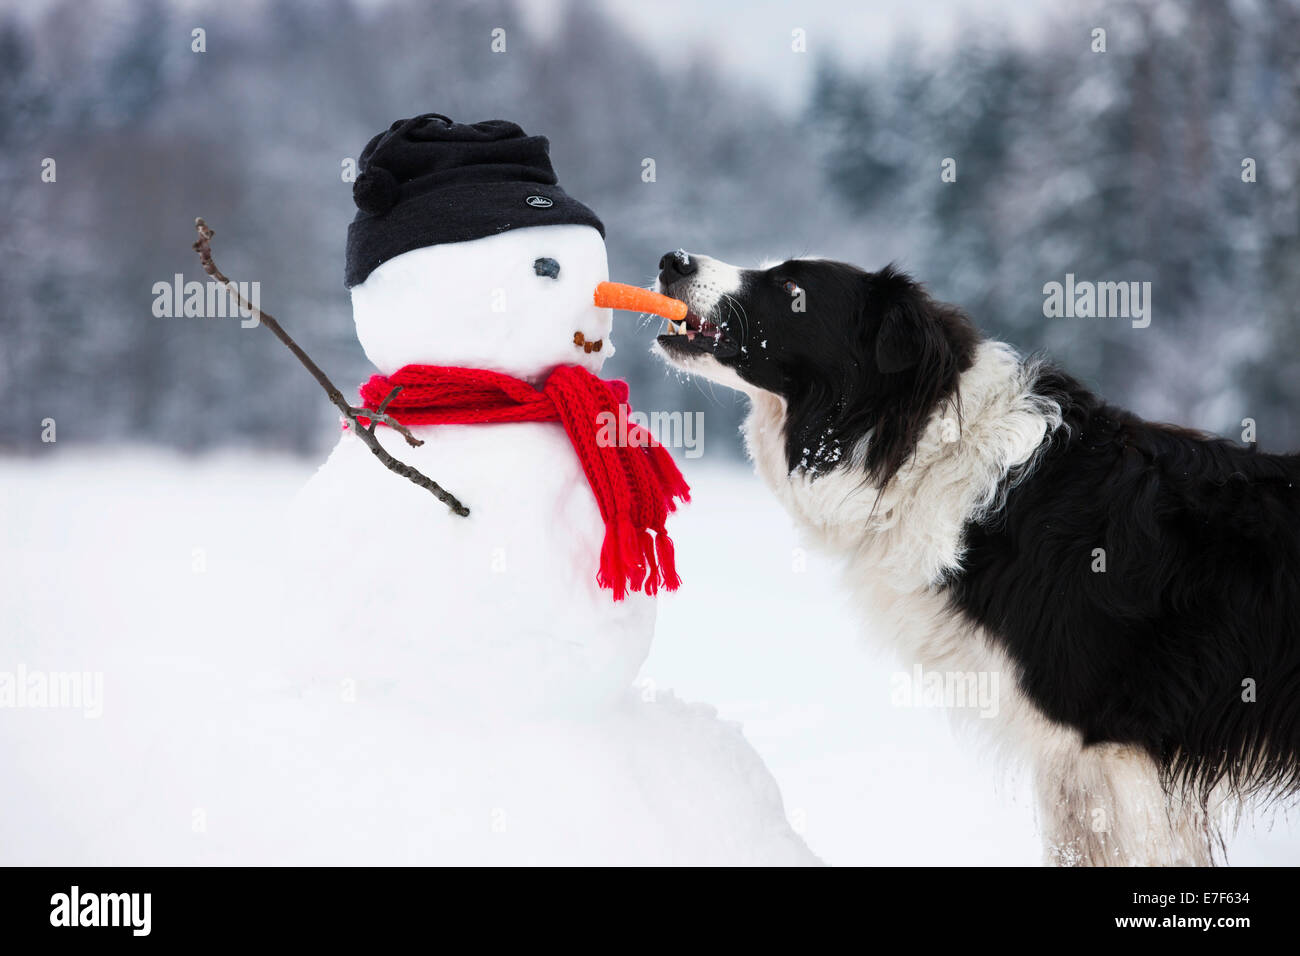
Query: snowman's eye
pixel 547 267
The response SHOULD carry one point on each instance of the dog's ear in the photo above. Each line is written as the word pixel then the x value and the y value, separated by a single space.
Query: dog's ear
pixel 900 343
pixel 906 329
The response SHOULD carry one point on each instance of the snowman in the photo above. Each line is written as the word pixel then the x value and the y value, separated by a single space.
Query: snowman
pixel 466 254
pixel 505 644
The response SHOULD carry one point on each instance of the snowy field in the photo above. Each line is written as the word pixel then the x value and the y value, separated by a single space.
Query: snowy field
pixel 136 566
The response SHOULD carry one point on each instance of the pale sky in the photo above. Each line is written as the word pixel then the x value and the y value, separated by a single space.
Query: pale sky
pixel 751 39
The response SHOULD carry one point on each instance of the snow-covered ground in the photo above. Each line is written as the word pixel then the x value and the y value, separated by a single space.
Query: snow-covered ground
pixel 134 564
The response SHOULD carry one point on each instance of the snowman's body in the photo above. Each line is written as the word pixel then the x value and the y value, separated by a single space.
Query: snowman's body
pixel 464 682
pixel 498 612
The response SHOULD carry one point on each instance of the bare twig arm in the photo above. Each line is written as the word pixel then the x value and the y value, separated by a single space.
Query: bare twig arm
pixel 203 246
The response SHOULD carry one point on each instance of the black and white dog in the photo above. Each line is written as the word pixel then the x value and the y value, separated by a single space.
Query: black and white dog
pixel 1137 585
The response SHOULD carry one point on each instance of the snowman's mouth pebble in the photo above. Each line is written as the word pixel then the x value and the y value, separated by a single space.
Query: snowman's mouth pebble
pixel 581 342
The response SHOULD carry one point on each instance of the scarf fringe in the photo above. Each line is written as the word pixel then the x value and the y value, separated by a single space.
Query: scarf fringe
pixel 632 560
pixel 647 547
pixel 667 560
pixel 612 573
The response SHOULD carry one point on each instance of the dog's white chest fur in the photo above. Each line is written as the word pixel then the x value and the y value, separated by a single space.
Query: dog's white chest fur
pixel 910 534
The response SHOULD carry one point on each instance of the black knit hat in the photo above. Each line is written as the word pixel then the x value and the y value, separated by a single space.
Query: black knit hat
pixel 427 180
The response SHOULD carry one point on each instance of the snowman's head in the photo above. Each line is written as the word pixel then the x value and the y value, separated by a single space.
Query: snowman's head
pixel 518 302
pixel 465 251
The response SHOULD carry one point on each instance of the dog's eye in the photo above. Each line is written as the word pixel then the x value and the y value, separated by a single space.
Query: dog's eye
pixel 547 267
pixel 791 287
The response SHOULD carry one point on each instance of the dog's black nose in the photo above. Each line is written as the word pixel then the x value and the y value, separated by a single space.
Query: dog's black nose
pixel 676 265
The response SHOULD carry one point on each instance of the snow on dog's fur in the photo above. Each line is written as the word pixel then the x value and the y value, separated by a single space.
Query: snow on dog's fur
pixel 971 492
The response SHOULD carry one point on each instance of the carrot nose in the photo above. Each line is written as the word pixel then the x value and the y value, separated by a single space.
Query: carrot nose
pixel 616 295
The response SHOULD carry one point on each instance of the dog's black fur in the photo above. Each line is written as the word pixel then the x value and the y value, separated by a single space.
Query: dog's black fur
pixel 1201 537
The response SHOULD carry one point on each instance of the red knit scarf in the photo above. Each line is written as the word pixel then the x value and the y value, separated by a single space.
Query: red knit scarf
pixel 635 485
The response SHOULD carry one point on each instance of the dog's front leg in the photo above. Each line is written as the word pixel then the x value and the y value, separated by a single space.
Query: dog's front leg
pixel 1103 805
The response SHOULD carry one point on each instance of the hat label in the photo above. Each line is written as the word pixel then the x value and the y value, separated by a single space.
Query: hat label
pixel 539 202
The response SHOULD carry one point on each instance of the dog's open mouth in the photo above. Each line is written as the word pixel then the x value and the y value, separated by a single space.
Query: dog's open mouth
pixel 693 335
